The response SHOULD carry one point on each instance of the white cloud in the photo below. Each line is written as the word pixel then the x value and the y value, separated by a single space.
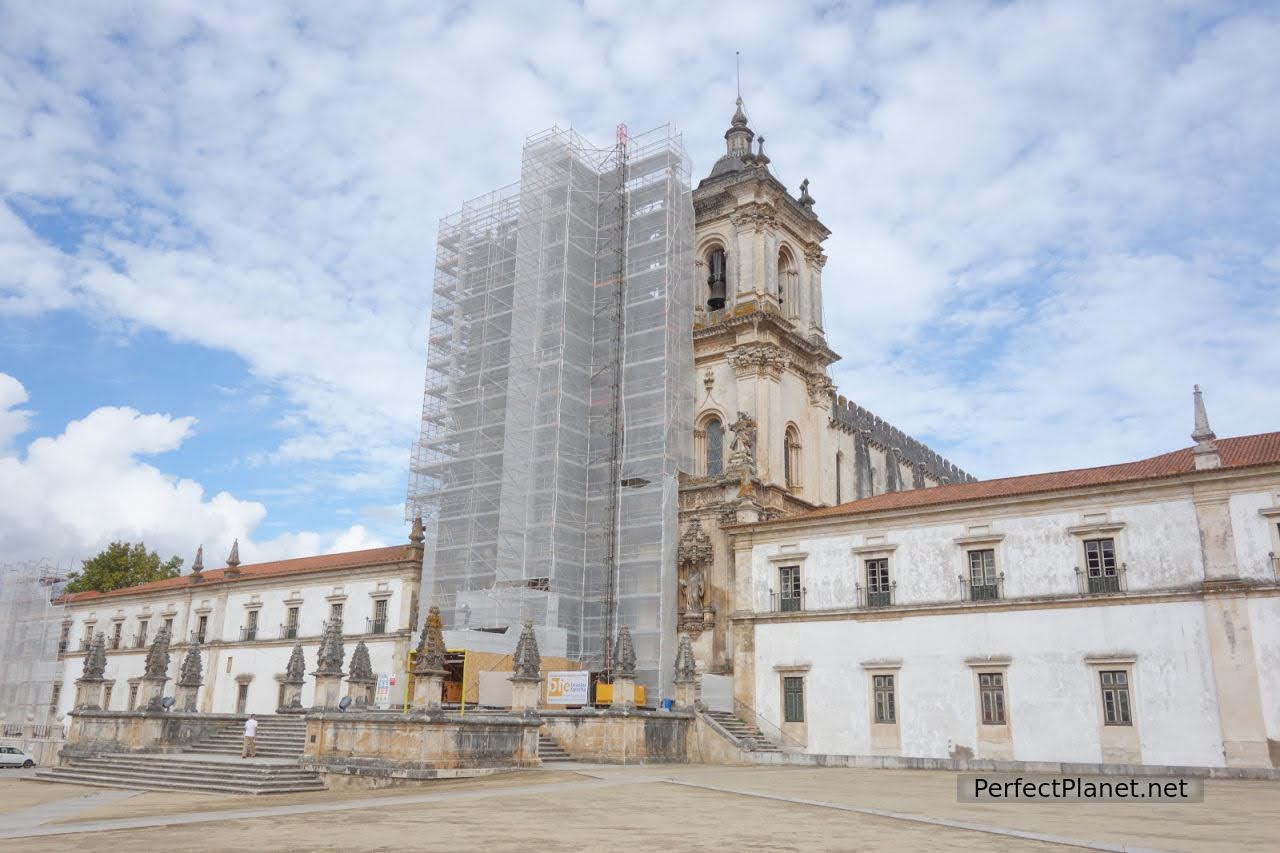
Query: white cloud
pixel 1027 200
pixel 71 494
pixel 13 421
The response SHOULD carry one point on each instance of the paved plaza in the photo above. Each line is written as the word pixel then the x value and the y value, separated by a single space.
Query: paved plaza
pixel 670 808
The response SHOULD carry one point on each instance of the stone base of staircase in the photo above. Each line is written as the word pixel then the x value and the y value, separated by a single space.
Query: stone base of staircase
pixel 748 736
pixel 213 774
pixel 212 765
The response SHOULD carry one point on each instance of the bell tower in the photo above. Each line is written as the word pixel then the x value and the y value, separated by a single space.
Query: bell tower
pixel 763 399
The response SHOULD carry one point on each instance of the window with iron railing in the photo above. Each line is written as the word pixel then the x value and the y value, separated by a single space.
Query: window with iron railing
pixel 140 639
pixel 1102 574
pixel 378 624
pixel 202 628
pixel 984 583
pixel 790 597
pixel 250 630
pixel 879 591
pixel 289 630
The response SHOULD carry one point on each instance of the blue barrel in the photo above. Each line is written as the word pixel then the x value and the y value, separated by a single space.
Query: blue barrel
pixel 668 704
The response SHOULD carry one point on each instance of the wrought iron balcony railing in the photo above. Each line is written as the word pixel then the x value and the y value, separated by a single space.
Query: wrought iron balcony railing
pixel 878 597
pixel 786 602
pixel 990 589
pixel 1101 582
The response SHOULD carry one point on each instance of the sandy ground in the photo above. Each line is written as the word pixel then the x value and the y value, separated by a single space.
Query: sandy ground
pixel 643 808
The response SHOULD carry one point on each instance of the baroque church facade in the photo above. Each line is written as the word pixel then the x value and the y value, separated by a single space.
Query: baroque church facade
pixel 772 437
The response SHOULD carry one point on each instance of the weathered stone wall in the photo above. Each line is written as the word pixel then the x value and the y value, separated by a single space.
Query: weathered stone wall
pixel 418 745
pixel 621 737
pixel 138 731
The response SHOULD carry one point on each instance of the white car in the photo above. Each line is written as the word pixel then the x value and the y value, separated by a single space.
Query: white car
pixel 11 756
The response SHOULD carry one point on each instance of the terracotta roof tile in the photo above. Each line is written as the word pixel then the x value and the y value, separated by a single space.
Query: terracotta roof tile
pixel 255 571
pixel 1245 451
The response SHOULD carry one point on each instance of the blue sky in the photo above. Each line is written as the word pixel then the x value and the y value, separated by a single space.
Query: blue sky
pixel 217 230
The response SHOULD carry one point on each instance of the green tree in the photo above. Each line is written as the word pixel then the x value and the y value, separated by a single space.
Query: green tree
pixel 122 564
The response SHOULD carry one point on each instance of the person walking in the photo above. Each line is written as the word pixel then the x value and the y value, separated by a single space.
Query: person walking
pixel 250 738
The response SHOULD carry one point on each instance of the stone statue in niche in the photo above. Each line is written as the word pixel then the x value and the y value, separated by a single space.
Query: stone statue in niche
pixel 694 589
pixel 743 448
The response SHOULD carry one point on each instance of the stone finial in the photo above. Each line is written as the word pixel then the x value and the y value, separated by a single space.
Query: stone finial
pixel 762 159
pixel 157 665
pixel 329 657
pixel 296 671
pixel 686 666
pixel 361 667
pixel 233 559
pixel 1206 449
pixel 624 656
pixel 95 660
pixel 198 566
pixel 806 200
pixel 430 654
pixel 527 663
pixel 192 674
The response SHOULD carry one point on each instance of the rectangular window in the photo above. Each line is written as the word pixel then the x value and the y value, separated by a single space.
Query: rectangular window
pixel 1115 698
pixel 65 638
pixel 242 697
pixel 991 686
pixel 878 582
pixel 793 699
pixel 380 616
pixel 201 629
pixel 1100 565
pixel 789 580
pixel 142 633
pixel 115 635
pixel 57 694
pixel 335 611
pixel 106 695
pixel 168 626
pixel 291 624
pixel 133 697
pixel 886 704
pixel 250 631
pixel 982 575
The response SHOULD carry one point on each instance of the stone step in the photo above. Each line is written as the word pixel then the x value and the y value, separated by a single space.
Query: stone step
pixel 152 782
pixel 237 750
pixel 210 769
pixel 550 751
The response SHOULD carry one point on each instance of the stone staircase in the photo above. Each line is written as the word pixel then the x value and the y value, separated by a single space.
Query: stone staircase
pixel 550 752
pixel 747 734
pixel 278 737
pixel 212 765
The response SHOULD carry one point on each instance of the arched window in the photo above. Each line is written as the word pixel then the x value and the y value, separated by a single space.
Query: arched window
pixel 788 283
pixel 839 484
pixel 791 458
pixel 715 448
pixel 716 278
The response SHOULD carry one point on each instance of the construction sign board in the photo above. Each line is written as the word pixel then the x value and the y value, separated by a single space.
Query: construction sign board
pixel 568 688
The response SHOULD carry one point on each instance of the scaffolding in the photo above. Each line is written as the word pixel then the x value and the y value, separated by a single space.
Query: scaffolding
pixel 30 633
pixel 558 396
